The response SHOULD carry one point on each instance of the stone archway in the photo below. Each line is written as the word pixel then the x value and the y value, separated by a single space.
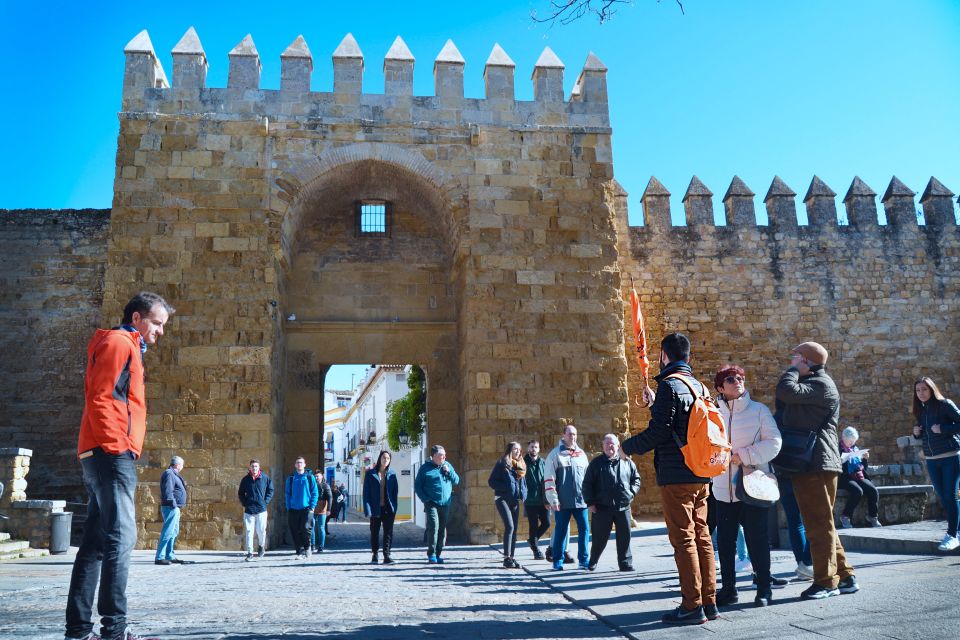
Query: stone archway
pixel 367 299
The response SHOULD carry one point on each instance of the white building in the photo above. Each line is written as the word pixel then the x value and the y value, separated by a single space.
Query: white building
pixel 358 435
pixel 336 404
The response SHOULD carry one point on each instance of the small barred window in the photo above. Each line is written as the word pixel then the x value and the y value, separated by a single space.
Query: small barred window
pixel 373 218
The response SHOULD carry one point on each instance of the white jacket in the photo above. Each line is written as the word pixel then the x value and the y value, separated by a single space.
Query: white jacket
pixel 753 436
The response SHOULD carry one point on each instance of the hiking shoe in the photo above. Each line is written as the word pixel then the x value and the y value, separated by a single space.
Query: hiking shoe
pixel 726 597
pixel 804 571
pixel 949 543
pixel 260 551
pixel 163 562
pixel 89 636
pixel 249 557
pixel 744 566
pixel 548 554
pixel 816 592
pixel 682 616
pixel 558 566
pixel 845 523
pixel 848 585
pixel 711 611
pixel 874 522
pixel 432 559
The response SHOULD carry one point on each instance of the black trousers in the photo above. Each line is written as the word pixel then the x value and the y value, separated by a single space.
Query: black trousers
pixel 300 522
pixel 509 511
pixel 730 516
pixel 538 521
pixel 385 520
pixel 600 524
pixel 856 489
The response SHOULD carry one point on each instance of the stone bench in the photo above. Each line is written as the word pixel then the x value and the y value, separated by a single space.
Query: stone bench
pixel 899 504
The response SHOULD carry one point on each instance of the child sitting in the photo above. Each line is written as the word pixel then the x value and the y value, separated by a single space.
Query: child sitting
pixel 855 481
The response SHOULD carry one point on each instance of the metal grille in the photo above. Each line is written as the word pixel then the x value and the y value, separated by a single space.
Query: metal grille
pixel 373 218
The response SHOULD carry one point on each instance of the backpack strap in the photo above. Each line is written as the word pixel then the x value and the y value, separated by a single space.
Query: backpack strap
pixel 682 378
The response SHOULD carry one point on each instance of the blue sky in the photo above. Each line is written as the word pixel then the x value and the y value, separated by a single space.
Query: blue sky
pixel 748 87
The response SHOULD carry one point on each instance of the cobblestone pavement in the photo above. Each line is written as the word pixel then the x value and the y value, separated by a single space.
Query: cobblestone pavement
pixel 339 595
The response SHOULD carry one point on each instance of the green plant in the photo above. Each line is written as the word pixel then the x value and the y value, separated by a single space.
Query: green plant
pixel 409 412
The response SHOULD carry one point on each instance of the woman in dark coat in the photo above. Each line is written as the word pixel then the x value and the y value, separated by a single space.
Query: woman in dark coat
pixel 380 489
pixel 938 425
pixel 510 489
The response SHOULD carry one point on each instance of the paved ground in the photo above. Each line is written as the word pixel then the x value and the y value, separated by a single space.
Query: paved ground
pixel 339 595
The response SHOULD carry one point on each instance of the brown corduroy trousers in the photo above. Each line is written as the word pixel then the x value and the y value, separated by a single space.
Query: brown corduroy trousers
pixel 816 492
pixel 685 512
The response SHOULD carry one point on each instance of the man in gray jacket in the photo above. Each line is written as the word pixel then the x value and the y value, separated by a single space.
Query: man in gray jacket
pixel 811 402
pixel 563 488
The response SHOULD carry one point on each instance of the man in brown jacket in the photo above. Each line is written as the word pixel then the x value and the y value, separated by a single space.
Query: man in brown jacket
pixel 812 403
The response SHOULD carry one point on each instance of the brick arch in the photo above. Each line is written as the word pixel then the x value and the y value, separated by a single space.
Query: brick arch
pixel 299 177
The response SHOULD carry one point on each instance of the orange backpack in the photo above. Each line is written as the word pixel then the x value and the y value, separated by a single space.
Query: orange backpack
pixel 707 452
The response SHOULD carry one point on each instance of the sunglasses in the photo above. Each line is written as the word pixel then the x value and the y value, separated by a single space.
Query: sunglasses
pixel 734 379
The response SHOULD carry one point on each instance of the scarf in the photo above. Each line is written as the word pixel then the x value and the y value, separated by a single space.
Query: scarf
pixel 519 468
pixel 132 329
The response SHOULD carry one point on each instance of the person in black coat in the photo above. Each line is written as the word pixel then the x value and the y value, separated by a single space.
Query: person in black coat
pixel 938 426
pixel 609 486
pixel 510 489
pixel 380 490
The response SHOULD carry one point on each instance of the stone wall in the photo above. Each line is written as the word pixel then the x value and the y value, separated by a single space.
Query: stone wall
pixel 883 299
pixel 51 288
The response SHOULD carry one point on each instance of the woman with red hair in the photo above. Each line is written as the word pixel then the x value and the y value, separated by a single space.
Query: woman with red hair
pixel 754 442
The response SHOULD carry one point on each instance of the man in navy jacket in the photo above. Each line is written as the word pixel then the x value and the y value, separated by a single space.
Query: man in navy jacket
pixel 256 490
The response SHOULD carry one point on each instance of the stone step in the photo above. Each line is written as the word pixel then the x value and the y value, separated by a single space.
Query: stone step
pixel 13 546
pixel 24 552
pixel 4 536
pixel 915 538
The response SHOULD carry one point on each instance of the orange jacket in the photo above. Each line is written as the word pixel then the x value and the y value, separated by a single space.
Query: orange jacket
pixel 115 408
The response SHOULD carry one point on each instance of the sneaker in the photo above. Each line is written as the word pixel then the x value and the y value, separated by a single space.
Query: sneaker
pixel 548 554
pixel 804 571
pixel 763 599
pixel 568 558
pixel 514 564
pixel 260 551
pixel 432 559
pixel 249 557
pixel 711 611
pixel 626 567
pixel 558 566
pixel 816 592
pixel 874 522
pixel 299 556
pixel 308 552
pixel 374 559
pixel 439 560
pixel 388 560
pixel 848 585
pixel 726 597
pixel 845 523
pixel 89 636
pixel 585 566
pixel 682 616
pixel 744 566
pixel 130 635
pixel 162 562
pixel 775 582
pixel 507 564
pixel 949 543
pixel 592 566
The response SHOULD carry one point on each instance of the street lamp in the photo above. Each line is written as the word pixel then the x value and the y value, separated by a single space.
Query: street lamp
pixel 404 437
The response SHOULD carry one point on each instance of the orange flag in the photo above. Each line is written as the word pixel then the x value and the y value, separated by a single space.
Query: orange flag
pixel 639 333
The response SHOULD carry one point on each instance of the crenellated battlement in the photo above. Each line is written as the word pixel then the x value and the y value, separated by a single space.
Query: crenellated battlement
pixel 860 203
pixel 147 90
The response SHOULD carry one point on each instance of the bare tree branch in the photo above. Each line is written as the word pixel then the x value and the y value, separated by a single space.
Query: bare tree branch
pixel 565 12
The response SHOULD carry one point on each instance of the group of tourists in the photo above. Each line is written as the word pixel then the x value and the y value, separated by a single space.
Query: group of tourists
pixel 805 423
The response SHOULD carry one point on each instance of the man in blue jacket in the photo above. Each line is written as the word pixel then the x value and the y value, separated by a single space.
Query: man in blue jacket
pixel 173 497
pixel 434 486
pixel 301 494
pixel 255 493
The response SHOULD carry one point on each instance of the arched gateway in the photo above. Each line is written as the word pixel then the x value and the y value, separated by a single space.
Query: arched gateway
pixel 295 229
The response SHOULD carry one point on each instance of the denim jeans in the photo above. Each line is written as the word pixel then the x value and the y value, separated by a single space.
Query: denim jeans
pixel 945 475
pixel 435 533
pixel 169 533
pixel 109 536
pixel 798 537
pixel 562 527
pixel 318 537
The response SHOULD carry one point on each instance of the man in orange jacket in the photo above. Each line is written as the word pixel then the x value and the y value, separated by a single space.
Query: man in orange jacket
pixel 111 438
